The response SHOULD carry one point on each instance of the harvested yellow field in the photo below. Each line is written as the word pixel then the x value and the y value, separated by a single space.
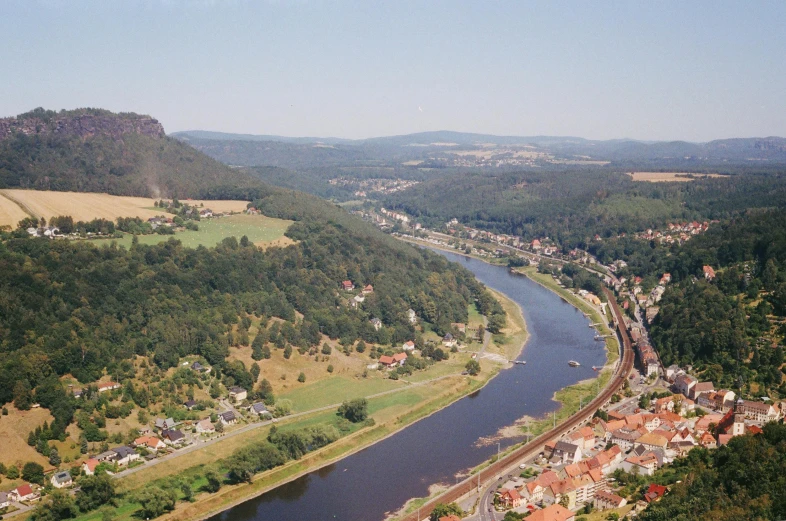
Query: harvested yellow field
pixel 10 212
pixel 14 429
pixel 664 177
pixel 89 206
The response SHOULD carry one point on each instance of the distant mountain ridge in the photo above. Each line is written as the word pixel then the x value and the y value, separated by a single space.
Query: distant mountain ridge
pixel 270 149
pixel 95 150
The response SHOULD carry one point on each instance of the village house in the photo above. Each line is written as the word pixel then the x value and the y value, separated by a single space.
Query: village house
pixel 533 492
pixel 4 500
pixel 412 316
pixel 24 493
pixel 448 340
pixel 654 493
pixel 672 371
pixel 707 441
pixel 459 327
pixel 584 488
pixel 62 479
pixel 653 441
pixel 758 411
pixel 409 345
pixel 584 438
pixel 237 394
pixel 149 442
pixel 358 299
pixel 368 289
pixel 206 212
pixel 189 404
pixel 552 513
pixel 227 418
pixel 605 500
pixel 347 285
pixel 559 490
pixel 563 452
pixel 124 455
pixel 196 366
pixel 174 437
pixel 377 323
pixel 626 437
pixel 509 498
pixel 164 424
pixel 451 517
pixel 89 466
pixel 393 361
pixel 205 427
pixel 258 408
pixel 701 388
pixel 108 386
pixel 684 384
pixel 709 273
pixel 644 465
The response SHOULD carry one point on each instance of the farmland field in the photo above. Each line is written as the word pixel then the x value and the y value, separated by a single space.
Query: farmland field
pixel 260 230
pixel 662 177
pixel 16 204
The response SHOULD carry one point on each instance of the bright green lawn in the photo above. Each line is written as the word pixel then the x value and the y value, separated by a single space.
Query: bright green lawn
pixel 337 389
pixel 257 228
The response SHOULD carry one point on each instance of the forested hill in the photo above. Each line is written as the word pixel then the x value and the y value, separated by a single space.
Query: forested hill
pixel 94 150
pixel 743 480
pixel 74 308
pixel 571 205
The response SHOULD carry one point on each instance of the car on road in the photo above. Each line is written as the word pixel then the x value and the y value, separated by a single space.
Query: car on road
pixel 523 466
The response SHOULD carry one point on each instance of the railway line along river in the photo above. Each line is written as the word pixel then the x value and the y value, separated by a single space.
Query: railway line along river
pixel 373 482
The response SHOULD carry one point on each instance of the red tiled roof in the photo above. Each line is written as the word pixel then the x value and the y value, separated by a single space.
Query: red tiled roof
pixel 24 490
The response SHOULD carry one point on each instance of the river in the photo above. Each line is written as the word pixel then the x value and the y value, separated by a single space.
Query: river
pixel 381 478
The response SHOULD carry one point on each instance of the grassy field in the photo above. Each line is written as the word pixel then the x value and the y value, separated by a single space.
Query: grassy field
pixel 14 429
pixel 338 389
pixel 513 336
pixel 261 230
pixel 87 206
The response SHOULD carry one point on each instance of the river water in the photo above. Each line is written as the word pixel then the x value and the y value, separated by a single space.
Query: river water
pixel 381 478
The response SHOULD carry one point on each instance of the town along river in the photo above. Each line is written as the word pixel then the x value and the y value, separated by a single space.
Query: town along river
pixel 381 478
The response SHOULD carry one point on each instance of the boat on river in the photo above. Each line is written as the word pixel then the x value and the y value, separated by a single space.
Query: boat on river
pixel 573 363
pixel 520 362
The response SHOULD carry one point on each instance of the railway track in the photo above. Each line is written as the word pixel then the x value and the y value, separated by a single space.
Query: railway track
pixel 498 468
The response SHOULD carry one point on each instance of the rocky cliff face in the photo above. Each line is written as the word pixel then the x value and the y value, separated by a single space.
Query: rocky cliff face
pixel 81 123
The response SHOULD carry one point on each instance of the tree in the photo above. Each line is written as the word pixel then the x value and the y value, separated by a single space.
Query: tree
pixel 301 377
pixel 354 410
pixel 255 371
pixel 33 472
pixel 12 472
pixel 188 492
pixel 564 501
pixel 213 482
pixel 473 367
pixel 442 510
pixel 155 501
pixel 288 351
pixel 54 457
pixel 326 349
pixel 95 491
pixel 60 505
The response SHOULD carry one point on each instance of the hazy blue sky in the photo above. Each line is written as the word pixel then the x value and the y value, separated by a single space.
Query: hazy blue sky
pixel 694 70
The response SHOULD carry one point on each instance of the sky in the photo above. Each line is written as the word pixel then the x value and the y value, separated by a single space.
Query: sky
pixel 666 70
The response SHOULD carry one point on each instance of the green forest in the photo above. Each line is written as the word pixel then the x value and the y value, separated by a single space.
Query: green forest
pixel 72 307
pixel 743 480
pixel 571 205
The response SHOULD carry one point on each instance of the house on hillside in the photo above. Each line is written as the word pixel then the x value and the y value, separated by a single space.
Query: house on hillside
pixel 206 212
pixel 259 409
pixel 205 427
pixel 709 273
pixel 368 289
pixel 174 437
pixel 377 323
pixel 605 500
pixel 228 418
pixel 347 285
pixel 448 340
pixel 409 345
pixel 23 493
pixel 124 455
pixel 459 327
pixel 108 386
pixel 62 479
pixel 654 492
pixel 164 424
pixel 150 443
pixel 412 316
pixel 237 394
pixel 89 466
